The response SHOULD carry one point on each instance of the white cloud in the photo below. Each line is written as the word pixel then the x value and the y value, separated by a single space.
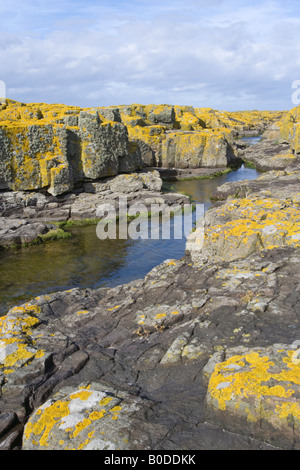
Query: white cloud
pixel 224 54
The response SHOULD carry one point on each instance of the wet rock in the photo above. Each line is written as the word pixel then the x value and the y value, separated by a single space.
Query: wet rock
pixel 21 231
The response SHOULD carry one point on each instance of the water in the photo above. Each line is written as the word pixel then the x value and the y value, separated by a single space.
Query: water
pixel 86 261
pixel 251 140
pixel 200 190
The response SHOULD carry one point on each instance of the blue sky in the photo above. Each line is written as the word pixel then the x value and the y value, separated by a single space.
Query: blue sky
pixel 224 54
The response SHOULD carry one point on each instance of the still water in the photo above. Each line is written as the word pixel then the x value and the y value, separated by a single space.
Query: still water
pixel 86 261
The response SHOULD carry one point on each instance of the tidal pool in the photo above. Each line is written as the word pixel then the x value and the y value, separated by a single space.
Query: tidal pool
pixel 86 261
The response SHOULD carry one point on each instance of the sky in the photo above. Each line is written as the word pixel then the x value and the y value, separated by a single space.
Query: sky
pixel 223 54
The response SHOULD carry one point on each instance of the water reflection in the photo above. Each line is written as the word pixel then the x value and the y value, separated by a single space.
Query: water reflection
pixel 200 190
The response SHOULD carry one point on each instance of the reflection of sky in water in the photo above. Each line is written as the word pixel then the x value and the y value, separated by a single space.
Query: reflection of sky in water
pixel 200 190
pixel 86 261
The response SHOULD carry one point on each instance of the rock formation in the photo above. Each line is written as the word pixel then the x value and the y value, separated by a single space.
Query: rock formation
pixel 27 218
pixel 202 353
pixel 56 147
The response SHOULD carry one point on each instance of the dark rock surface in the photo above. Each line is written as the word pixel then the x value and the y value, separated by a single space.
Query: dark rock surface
pixel 151 339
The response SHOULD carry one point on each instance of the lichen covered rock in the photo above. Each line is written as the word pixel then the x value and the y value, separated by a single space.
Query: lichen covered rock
pixel 175 136
pixel 196 149
pixel 240 227
pixel 257 391
pixel 54 147
pixel 57 147
pixel 289 127
pixel 89 417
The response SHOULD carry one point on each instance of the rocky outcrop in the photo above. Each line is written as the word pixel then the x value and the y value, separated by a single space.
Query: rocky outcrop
pixel 269 155
pixel 242 123
pixel 257 388
pixel 154 351
pixel 202 353
pixel 183 149
pixel 251 216
pixel 55 148
pixel 175 137
pixel 289 127
pixel 32 217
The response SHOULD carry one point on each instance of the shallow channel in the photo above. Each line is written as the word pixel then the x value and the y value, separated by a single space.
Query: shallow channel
pixel 86 261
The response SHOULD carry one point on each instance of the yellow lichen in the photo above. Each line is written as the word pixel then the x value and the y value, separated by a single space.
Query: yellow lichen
pixel 252 375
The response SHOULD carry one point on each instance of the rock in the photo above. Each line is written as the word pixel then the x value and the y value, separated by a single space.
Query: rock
pixel 249 216
pixel 35 211
pixel 199 354
pixel 196 149
pixel 101 145
pixel 244 123
pixel 282 184
pixel 127 184
pixel 269 155
pixel 89 417
pixel 7 421
pixel 21 231
pixel 177 137
pixel 152 344
pixel 13 440
pixel 257 389
pixel 42 151
pixel 56 148
pixel 289 129
pixel 240 227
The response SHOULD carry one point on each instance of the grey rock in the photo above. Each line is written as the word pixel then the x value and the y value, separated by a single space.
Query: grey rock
pixel 150 341
pixel 269 155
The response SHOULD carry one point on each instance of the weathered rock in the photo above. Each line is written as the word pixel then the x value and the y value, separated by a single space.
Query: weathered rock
pixel 269 155
pixel 256 215
pixel 278 184
pixel 240 227
pixel 200 354
pixel 244 123
pixel 35 211
pixel 257 389
pixel 177 137
pixel 150 341
pixel 55 147
pixel 196 149
pixel 91 417
pixel 21 231
pixel 54 150
pixel 289 127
